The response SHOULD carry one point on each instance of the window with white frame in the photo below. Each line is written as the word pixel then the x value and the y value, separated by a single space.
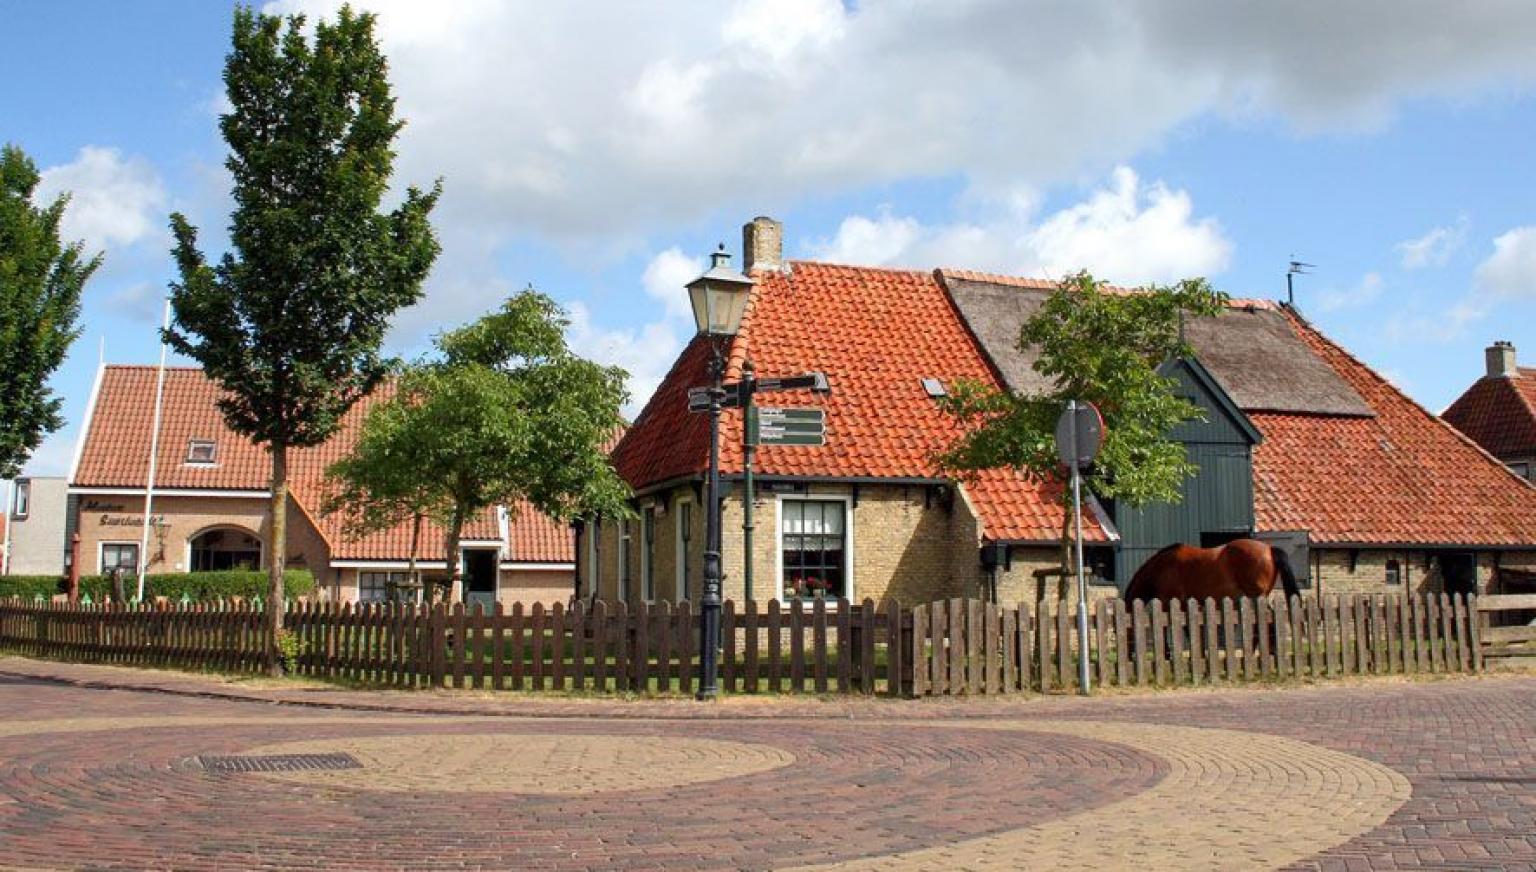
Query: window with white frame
pixel 201 451
pixel 813 548
pixel 623 573
pixel 119 555
pixel 21 501
pixel 381 587
pixel 684 515
pixel 647 554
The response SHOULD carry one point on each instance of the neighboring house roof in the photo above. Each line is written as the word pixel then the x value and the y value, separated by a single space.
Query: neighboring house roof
pixel 1403 476
pixel 1344 455
pixel 114 453
pixel 1499 413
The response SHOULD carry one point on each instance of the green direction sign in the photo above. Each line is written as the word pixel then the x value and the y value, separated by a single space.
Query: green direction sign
pixel 774 425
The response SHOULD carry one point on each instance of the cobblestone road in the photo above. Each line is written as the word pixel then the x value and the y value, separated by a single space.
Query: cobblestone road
pixel 94 774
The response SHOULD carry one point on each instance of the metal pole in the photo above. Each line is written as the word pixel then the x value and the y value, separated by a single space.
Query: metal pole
pixel 1084 682
pixel 154 451
pixel 748 449
pixel 709 606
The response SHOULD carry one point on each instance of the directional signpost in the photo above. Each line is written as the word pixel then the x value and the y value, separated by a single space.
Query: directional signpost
pixel 776 425
pixel 1079 434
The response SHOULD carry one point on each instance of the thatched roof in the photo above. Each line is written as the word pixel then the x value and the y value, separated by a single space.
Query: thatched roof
pixel 1251 350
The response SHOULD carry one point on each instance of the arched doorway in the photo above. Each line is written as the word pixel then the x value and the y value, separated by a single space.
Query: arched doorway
pixel 224 548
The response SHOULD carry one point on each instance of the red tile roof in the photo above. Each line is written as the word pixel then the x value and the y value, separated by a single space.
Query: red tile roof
pixel 1403 476
pixel 115 453
pixel 1499 413
pixel 876 333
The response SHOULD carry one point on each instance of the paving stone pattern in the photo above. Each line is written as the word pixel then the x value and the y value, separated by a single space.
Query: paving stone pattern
pixel 1397 775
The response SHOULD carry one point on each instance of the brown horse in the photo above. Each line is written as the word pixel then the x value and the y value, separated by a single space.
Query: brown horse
pixel 1240 568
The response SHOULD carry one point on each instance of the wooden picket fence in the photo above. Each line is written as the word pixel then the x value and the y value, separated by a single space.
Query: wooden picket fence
pixel 822 646
pixel 971 647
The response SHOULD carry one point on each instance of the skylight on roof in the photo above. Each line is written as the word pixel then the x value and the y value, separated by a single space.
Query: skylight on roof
pixel 201 451
pixel 935 388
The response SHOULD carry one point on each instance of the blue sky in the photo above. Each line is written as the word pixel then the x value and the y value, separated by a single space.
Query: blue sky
pixel 598 151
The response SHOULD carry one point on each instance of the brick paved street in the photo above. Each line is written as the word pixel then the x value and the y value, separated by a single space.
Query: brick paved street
pixel 1368 776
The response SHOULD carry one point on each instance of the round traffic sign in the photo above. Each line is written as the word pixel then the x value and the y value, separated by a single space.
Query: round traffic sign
pixel 1079 434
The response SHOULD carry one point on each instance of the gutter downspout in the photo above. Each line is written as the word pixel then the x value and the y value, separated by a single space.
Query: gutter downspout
pixel 154 453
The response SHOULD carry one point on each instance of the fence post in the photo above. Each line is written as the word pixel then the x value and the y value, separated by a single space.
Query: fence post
pixel 901 671
pixel 439 643
pixel 1476 625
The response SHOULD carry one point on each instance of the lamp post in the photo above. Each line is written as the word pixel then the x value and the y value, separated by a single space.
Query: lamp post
pixel 719 299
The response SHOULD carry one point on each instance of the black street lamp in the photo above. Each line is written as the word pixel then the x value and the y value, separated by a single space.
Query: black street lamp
pixel 719 299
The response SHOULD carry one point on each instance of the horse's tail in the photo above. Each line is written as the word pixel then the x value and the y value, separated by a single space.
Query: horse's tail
pixel 1287 575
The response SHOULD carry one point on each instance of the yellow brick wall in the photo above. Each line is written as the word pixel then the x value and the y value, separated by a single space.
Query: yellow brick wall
pixel 1332 574
pixel 907 543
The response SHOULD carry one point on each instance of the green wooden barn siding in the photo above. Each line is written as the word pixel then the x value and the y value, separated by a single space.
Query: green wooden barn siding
pixel 1217 499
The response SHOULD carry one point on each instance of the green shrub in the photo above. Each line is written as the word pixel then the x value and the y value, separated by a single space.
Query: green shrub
pixel 247 583
pixel 30 586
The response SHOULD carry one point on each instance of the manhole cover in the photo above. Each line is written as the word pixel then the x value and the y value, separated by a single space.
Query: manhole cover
pixel 280 763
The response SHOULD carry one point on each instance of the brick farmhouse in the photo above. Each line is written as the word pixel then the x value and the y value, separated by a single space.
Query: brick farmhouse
pixel 1304 445
pixel 211 503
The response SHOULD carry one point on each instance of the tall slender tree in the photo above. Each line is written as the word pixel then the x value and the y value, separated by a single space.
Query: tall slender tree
pixel 290 320
pixel 41 277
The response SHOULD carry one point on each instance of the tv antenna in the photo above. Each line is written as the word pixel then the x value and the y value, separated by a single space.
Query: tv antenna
pixel 1297 268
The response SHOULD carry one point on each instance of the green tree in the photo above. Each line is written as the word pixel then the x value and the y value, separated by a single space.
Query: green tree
pixel 41 278
pixel 376 487
pixel 1103 346
pixel 290 321
pixel 505 413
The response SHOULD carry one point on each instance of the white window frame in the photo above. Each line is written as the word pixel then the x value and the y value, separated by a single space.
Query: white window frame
pixel 621 577
pixel 647 555
pixel 101 555
pixel 848 539
pixel 213 452
pixel 680 588
pixel 21 498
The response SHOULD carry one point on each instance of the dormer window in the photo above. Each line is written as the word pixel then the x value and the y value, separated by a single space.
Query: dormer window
pixel 201 451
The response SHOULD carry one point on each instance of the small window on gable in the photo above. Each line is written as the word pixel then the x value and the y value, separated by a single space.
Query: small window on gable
pixel 201 451
pixel 1394 572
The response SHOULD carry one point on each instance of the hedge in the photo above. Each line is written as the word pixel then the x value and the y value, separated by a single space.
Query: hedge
pixel 246 583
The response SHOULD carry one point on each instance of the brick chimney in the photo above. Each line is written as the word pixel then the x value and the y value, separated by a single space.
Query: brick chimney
pixel 762 245
pixel 1500 357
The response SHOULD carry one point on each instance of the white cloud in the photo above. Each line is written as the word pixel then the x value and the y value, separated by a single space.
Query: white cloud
pixel 572 120
pixel 664 278
pixel 1511 270
pixel 1364 292
pixel 1433 248
pixel 593 127
pixel 1124 231
pixel 114 201
pixel 645 352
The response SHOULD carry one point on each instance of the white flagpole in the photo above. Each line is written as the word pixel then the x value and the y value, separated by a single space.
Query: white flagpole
pixel 154 453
